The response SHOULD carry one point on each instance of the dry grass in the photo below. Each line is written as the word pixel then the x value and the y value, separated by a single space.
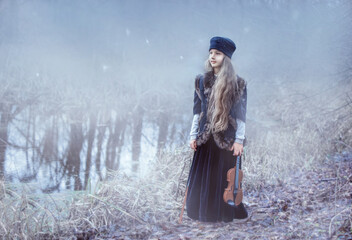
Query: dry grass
pixel 301 138
pixel 302 134
pixel 120 202
pixel 26 216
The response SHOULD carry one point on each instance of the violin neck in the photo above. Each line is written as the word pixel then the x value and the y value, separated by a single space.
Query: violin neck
pixel 237 172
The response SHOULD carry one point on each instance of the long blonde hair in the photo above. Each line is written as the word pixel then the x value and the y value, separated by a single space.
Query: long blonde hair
pixel 222 95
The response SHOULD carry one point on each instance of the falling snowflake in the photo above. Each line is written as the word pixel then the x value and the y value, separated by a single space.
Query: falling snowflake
pixel 105 68
pixel 128 32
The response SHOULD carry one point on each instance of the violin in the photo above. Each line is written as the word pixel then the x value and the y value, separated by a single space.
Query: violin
pixel 233 194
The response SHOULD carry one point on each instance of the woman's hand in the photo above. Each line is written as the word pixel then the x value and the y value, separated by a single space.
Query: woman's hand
pixel 193 144
pixel 237 149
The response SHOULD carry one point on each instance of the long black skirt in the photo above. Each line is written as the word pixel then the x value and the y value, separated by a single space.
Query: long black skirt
pixel 207 181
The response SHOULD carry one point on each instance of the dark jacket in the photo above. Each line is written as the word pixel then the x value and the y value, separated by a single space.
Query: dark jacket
pixel 203 87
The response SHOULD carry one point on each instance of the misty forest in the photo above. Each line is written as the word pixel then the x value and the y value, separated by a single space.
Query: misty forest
pixel 96 104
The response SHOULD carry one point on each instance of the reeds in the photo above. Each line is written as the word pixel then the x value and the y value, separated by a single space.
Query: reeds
pixel 121 202
pixel 300 137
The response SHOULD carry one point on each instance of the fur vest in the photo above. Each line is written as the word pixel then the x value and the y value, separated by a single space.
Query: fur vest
pixel 203 88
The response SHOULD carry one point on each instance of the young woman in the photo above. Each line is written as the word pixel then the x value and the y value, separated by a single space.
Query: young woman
pixel 217 135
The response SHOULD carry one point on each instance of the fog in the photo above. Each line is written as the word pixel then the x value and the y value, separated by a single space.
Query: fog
pixel 89 86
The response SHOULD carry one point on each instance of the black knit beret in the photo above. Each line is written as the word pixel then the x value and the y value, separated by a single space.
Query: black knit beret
pixel 225 45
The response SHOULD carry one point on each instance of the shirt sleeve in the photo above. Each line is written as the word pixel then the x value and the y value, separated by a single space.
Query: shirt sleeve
pixel 194 128
pixel 240 132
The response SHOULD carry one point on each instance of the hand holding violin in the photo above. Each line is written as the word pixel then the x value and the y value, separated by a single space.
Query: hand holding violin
pixel 237 149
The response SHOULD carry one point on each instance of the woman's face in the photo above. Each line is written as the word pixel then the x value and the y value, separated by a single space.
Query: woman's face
pixel 216 58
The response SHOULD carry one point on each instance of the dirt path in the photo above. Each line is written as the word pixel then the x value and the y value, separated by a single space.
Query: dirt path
pixel 315 204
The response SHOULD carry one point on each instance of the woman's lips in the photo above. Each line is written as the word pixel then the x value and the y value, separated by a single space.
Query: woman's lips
pixel 212 61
